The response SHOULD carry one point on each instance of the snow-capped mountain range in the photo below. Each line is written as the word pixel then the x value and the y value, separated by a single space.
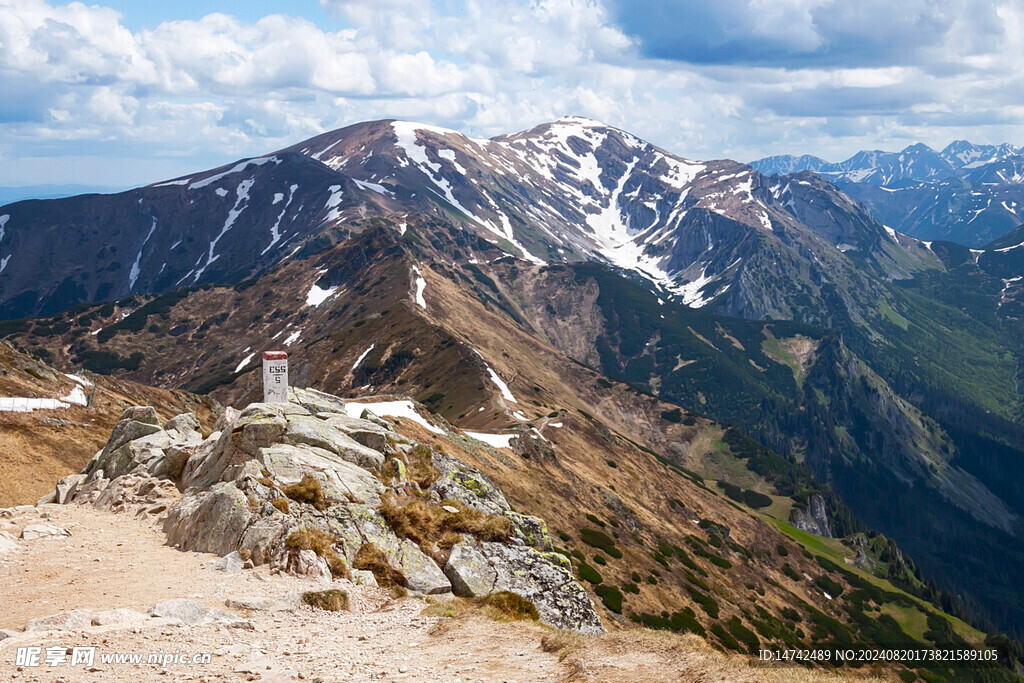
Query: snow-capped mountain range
pixel 967 193
pixel 569 190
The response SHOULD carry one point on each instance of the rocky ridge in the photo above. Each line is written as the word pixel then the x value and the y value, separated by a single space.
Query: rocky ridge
pixel 305 488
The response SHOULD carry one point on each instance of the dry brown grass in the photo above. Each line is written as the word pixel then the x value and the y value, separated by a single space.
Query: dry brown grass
pixel 429 525
pixel 421 467
pixel 332 600
pixel 322 544
pixel 510 606
pixel 370 558
pixel 310 491
pixel 310 539
pixel 282 505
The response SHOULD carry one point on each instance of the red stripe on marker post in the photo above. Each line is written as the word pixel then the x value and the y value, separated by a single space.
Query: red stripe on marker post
pixel 275 377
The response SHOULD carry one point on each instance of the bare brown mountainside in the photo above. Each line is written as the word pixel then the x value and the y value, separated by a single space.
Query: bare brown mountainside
pixel 41 446
pixel 628 484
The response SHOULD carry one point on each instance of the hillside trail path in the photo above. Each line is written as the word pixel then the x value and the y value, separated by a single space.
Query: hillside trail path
pixel 121 561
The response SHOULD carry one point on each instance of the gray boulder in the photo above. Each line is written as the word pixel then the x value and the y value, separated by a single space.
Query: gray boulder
pixel 362 431
pixel 193 613
pixel 225 419
pixel 478 569
pixel 289 602
pixel 211 520
pixel 122 616
pixel 184 425
pixel 62 621
pixel 316 402
pixel 356 525
pixel 67 487
pixel 288 464
pixel 7 543
pixel 315 432
pixel 134 423
pixel 229 564
pixel 309 564
pixel 34 532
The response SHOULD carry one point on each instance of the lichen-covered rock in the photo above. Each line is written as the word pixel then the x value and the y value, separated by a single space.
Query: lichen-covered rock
pixel 209 520
pixel 467 485
pixel 316 402
pixel 471 487
pixel 357 525
pixel 315 432
pixel 288 464
pixel 478 569
pixel 362 431
pixel 185 425
pixel 135 422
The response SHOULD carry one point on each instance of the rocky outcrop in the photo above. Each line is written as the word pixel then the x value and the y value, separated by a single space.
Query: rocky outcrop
pixel 300 486
pixel 477 569
pixel 813 519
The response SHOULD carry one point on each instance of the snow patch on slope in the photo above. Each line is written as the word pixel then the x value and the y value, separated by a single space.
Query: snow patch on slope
pixel 237 168
pixel 494 440
pixel 421 285
pixel 241 203
pixel 317 295
pixel 134 274
pixel 362 356
pixel 404 409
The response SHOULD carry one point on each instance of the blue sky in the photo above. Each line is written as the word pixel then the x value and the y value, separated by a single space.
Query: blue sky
pixel 122 93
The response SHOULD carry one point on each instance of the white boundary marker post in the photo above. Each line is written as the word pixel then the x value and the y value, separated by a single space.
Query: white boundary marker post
pixel 275 377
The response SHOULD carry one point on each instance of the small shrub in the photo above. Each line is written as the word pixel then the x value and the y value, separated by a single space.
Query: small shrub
pixel 564 536
pixel 330 600
pixel 706 602
pixel 511 606
pixel 631 588
pixel 635 576
pixel 601 541
pixel 611 597
pixel 588 573
pixel 744 635
pixel 599 559
pixel 725 637
pixel 309 491
pixel 594 519
pixel 282 505
pixel 781 550
pixel 829 585
pixel 370 558
pixel 651 580
pixel 562 642
pixel 791 573
pixel 612 464
pixel 675 415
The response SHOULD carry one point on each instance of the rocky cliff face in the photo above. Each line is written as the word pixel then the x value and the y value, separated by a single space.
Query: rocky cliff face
pixel 306 487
